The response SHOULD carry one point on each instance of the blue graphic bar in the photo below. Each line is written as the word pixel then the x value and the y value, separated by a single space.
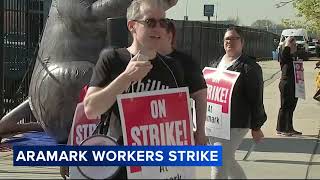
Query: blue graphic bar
pixel 117 155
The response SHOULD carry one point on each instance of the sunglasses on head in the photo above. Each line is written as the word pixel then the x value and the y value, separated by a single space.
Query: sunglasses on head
pixel 152 22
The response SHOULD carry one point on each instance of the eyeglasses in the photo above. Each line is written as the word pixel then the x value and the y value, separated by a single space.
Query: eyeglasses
pixel 152 23
pixel 231 38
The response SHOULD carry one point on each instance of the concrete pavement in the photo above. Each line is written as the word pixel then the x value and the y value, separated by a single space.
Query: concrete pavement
pixel 284 157
pixel 275 158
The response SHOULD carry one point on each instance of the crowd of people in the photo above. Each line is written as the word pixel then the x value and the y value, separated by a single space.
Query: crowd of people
pixel 153 56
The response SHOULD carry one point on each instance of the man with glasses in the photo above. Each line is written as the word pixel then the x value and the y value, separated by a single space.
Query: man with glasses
pixel 136 68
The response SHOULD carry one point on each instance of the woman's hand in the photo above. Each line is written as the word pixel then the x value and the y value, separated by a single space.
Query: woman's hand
pixel 200 138
pixel 291 43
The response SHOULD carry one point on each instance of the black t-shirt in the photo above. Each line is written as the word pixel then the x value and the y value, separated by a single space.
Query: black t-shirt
pixel 166 73
pixel 193 77
pixel 172 71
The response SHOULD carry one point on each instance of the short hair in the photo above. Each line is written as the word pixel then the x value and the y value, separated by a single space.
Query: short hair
pixel 237 30
pixel 134 10
pixel 172 29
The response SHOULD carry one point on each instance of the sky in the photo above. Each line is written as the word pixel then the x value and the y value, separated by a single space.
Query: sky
pixel 248 11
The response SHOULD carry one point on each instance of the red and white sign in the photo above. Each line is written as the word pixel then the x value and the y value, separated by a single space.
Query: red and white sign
pixel 81 129
pixel 300 91
pixel 157 118
pixel 220 86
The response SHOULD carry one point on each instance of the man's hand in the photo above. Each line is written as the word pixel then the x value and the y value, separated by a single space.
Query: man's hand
pixel 200 138
pixel 137 69
pixel 257 135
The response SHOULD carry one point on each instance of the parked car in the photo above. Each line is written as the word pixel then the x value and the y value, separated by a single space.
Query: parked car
pixel 301 37
pixel 318 48
pixel 312 48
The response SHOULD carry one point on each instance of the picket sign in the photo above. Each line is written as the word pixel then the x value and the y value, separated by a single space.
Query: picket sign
pixel 81 129
pixel 220 85
pixel 300 90
pixel 161 117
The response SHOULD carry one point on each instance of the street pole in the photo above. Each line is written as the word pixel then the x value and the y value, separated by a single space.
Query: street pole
pixel 216 14
pixel 186 16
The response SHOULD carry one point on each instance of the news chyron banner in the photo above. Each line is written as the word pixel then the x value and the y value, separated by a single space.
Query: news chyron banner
pixel 157 118
pixel 220 86
pixel 300 91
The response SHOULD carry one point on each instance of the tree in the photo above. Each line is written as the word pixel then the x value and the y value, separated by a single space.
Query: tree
pixel 288 23
pixel 310 11
pixel 234 21
pixel 263 24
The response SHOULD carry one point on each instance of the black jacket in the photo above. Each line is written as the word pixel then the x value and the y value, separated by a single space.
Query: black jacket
pixel 286 64
pixel 247 109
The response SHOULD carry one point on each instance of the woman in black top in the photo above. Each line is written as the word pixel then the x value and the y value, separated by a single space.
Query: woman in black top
pixel 247 109
pixel 193 77
pixel 287 89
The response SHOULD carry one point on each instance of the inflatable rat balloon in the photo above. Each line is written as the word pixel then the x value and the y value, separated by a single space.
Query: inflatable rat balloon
pixel 73 37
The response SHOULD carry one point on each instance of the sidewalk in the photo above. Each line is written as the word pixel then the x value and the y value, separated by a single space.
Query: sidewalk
pixel 284 157
pixel 275 158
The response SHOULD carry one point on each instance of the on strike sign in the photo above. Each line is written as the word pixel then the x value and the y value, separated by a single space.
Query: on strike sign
pixel 82 127
pixel 156 118
pixel 220 86
pixel 300 91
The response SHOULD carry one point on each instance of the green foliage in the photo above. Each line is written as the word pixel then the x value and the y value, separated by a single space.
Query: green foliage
pixel 263 24
pixel 234 21
pixel 288 23
pixel 310 11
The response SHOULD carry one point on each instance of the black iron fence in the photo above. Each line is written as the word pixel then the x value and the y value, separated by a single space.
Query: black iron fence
pixel 22 25
pixel 23 21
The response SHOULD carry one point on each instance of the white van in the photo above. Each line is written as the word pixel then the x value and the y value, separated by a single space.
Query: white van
pixel 301 37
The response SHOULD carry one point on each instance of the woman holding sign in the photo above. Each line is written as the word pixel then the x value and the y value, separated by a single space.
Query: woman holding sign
pixel 247 109
pixel 287 89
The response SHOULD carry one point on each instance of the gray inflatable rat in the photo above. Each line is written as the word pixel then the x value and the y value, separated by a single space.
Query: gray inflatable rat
pixel 73 37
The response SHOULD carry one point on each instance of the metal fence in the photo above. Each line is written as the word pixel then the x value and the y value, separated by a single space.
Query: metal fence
pixel 204 41
pixel 22 25
pixel 23 21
